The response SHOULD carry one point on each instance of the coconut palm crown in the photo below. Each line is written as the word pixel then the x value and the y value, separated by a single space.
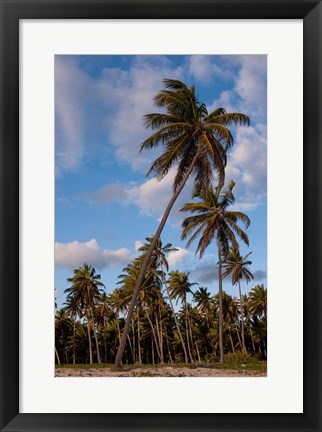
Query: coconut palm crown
pixel 187 130
pixel 212 219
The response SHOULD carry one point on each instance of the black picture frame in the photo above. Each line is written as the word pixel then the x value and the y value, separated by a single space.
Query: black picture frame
pixel 14 10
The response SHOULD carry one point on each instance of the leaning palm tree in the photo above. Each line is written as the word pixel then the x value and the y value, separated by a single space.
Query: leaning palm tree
pixel 214 221
pixel 195 142
pixel 236 265
pixel 85 291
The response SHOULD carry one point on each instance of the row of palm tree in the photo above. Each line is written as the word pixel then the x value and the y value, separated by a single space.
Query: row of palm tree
pixel 167 327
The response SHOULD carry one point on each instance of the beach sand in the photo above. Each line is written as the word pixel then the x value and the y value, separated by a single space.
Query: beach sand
pixel 166 371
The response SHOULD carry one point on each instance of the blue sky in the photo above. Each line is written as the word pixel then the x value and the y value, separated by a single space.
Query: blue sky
pixel 105 205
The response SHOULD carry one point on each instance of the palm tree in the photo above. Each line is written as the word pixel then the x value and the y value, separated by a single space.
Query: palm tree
pixel 236 265
pixel 203 300
pixel 195 142
pixel 213 220
pixel 73 309
pixel 179 286
pixel 85 291
pixel 158 259
pixel 62 333
pixel 258 300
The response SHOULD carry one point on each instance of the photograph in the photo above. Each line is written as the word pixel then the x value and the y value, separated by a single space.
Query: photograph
pixel 160 216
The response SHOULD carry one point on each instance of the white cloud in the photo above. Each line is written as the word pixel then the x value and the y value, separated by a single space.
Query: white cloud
pixel 138 244
pixel 113 104
pixel 247 166
pixel 249 94
pixel 203 68
pixel 177 257
pixel 75 254
pixel 70 94
pixel 151 196
pixel 247 161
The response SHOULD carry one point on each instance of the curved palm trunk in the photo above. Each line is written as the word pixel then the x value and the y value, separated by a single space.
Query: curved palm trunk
pixel 178 328
pixel 242 318
pixel 144 267
pixel 221 342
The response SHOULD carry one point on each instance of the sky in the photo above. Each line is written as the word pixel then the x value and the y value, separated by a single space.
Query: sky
pixel 105 205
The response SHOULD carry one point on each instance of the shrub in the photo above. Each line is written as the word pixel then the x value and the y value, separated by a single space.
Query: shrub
pixel 239 359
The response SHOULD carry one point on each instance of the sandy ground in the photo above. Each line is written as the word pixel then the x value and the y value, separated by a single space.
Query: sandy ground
pixel 167 371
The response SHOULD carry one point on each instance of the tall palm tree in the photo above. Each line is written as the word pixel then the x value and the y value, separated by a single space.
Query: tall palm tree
pixel 213 220
pixel 195 142
pixel 86 292
pixel 236 265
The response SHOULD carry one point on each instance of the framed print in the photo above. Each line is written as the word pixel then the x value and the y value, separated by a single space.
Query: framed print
pixel 152 328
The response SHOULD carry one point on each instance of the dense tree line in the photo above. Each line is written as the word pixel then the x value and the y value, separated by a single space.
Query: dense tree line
pixel 175 319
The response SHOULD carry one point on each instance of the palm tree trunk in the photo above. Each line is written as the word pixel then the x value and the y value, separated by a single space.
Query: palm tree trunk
pixel 231 341
pixel 159 337
pixel 131 349
pixel 145 263
pixel 57 356
pixel 89 342
pixel 242 318
pixel 191 338
pixel 139 338
pixel 239 340
pixel 187 332
pixel 265 352
pixel 152 351
pixel 198 354
pixel 178 328
pixel 74 331
pixel 221 341
pixel 252 338
pixel 153 332
pixel 95 336
pixel 133 343
pixel 169 352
